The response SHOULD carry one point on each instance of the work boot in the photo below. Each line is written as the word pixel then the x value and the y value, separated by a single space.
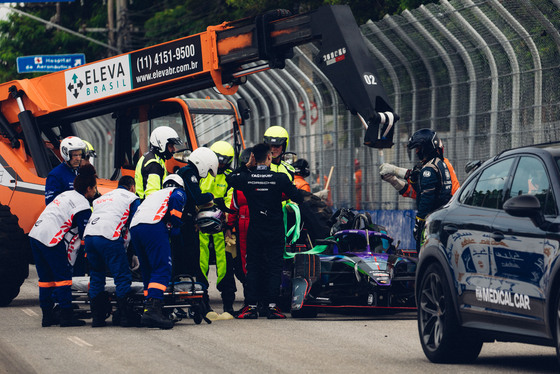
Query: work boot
pixel 127 315
pixel 68 319
pixel 274 312
pixel 100 307
pixel 248 312
pixel 50 317
pixel 153 316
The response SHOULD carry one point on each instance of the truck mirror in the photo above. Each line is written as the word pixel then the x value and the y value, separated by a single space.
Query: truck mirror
pixel 243 107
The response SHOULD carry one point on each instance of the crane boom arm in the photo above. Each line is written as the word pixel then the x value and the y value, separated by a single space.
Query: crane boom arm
pixel 218 57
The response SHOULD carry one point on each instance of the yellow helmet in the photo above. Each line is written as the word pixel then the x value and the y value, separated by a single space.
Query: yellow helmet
pixel 90 151
pixel 277 135
pixel 224 151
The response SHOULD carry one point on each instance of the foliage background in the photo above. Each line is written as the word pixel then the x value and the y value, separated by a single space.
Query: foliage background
pixel 145 23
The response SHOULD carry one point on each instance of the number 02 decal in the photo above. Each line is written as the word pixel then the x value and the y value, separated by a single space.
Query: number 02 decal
pixel 370 79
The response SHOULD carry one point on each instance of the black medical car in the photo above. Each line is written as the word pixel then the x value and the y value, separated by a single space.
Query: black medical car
pixel 489 266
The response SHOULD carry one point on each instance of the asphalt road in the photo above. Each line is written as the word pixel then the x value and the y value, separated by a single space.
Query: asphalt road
pixel 330 343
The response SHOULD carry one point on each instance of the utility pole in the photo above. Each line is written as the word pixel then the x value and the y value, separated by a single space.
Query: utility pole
pixel 122 24
pixel 111 24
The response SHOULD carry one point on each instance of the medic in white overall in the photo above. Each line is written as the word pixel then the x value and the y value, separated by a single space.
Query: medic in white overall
pixel 157 218
pixel 50 238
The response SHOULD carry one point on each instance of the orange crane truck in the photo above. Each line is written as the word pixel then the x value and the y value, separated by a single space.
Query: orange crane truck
pixel 116 102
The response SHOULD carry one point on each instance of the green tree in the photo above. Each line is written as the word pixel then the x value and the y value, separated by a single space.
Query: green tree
pixel 23 36
pixel 147 23
pixel 363 10
pixel 188 17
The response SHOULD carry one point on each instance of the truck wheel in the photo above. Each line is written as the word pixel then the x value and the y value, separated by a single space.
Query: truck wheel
pixel 441 337
pixel 14 250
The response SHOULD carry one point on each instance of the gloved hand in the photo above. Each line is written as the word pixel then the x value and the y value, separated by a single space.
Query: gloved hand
pixel 231 245
pixel 323 194
pixel 134 263
pixel 418 229
pixel 386 168
pixel 398 184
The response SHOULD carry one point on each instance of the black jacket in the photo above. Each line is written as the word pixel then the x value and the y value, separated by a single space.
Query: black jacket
pixel 263 190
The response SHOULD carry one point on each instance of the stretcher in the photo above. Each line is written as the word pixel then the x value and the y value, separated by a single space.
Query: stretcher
pixel 182 293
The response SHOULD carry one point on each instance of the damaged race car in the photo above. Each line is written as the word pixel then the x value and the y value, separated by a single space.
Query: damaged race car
pixel 357 268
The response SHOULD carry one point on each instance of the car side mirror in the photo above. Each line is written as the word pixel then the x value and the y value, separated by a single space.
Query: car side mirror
pixel 525 206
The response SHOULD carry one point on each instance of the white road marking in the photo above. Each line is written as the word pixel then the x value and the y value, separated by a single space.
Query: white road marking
pixel 29 312
pixel 78 341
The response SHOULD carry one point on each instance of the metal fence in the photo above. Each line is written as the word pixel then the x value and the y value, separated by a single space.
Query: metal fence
pixel 484 74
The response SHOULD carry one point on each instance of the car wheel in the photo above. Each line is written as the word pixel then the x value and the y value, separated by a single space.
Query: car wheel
pixel 441 337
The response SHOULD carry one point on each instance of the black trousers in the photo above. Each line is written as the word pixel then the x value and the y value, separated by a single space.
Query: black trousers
pixel 265 249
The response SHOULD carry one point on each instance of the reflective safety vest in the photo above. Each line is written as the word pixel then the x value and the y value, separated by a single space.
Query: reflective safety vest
pixel 149 174
pixel 153 208
pixel 110 214
pixel 284 167
pixel 56 220
pixel 217 186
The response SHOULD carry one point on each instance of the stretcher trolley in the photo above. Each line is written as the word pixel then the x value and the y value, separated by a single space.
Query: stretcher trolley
pixel 183 293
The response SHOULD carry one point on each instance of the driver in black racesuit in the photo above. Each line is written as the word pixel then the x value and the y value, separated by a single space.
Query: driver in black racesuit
pixel 264 191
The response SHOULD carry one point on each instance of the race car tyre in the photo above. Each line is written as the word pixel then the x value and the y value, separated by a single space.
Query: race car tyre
pixel 14 256
pixel 305 312
pixel 442 339
pixel 557 328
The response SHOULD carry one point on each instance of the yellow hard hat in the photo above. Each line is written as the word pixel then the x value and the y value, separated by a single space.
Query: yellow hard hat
pixel 90 151
pixel 277 135
pixel 224 151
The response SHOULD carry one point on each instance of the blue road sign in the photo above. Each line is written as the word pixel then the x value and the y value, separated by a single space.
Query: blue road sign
pixel 49 63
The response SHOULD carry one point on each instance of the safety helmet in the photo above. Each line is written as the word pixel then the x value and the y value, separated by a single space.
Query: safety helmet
pixel 160 137
pixel 245 156
pixel 210 220
pixel 173 180
pixel 224 151
pixel 90 151
pixel 301 167
pixel 277 135
pixel 71 143
pixel 356 163
pixel 205 160
pixel 426 141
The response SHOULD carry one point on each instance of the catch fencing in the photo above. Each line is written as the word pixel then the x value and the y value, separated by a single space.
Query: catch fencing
pixel 483 74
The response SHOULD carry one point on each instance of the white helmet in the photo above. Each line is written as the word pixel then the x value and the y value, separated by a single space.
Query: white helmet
pixel 205 160
pixel 210 220
pixel 173 180
pixel 71 143
pixel 161 136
